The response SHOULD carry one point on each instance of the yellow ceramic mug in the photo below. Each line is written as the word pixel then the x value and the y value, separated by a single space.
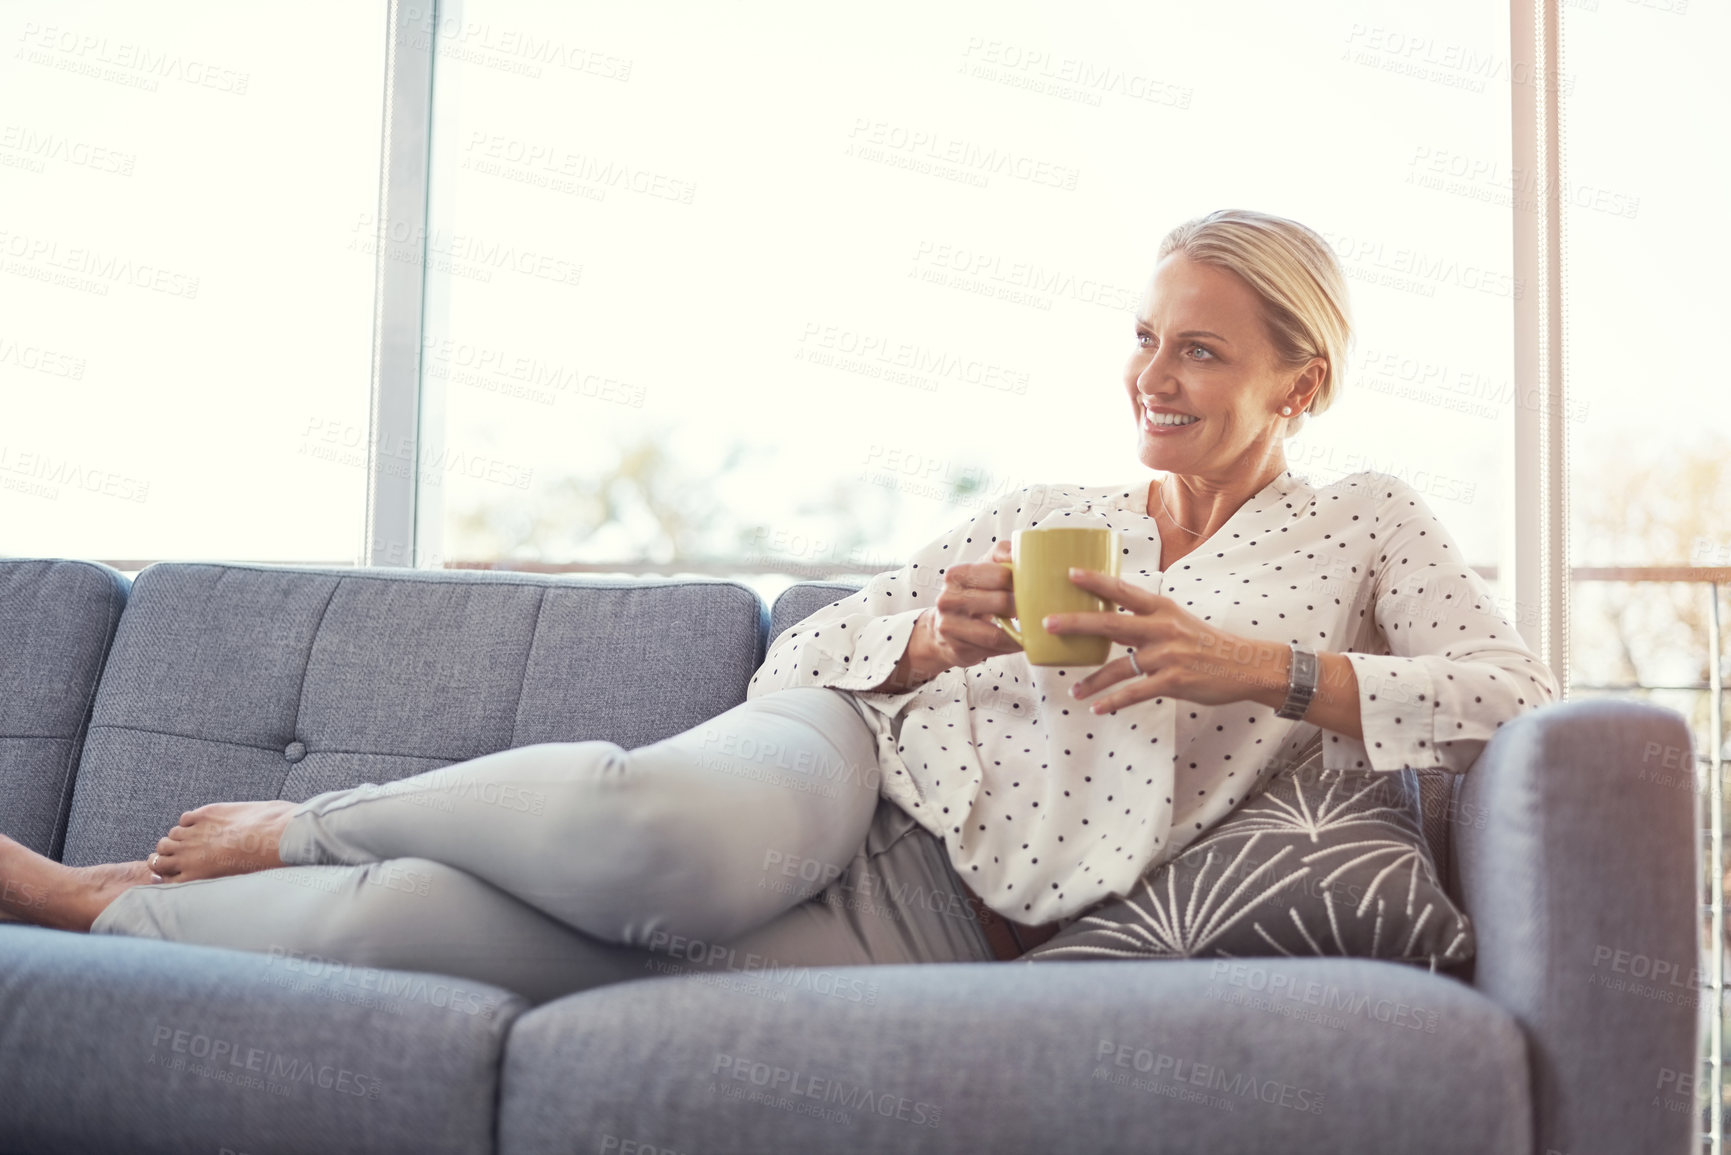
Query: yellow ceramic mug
pixel 1040 561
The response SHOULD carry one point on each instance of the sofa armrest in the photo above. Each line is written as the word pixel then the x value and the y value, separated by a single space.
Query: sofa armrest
pixel 110 1043
pixel 1580 877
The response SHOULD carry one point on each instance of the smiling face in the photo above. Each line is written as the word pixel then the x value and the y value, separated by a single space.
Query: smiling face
pixel 1203 351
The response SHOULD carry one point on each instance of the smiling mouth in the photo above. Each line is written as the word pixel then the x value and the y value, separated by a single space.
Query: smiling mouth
pixel 1167 424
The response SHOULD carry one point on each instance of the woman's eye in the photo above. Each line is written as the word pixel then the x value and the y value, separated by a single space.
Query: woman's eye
pixel 1148 341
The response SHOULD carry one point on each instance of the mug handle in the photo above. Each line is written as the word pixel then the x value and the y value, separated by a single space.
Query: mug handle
pixel 1003 624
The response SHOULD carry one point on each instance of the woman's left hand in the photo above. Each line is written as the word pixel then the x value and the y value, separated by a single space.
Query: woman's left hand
pixel 1181 655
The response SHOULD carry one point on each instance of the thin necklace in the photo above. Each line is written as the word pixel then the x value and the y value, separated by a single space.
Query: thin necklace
pixel 1168 510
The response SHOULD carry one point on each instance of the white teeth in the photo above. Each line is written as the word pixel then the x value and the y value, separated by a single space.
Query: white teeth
pixel 1169 419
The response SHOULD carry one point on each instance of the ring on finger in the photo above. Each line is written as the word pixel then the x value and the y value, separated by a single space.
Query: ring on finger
pixel 152 862
pixel 1140 672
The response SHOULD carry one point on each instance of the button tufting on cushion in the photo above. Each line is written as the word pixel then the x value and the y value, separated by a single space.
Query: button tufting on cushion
pixel 223 677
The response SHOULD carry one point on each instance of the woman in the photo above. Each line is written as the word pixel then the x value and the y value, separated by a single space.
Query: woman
pixel 931 796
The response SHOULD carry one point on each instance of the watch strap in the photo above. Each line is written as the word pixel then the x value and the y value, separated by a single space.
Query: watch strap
pixel 1301 685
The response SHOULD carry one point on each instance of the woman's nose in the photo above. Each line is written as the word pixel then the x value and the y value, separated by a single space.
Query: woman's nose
pixel 1151 377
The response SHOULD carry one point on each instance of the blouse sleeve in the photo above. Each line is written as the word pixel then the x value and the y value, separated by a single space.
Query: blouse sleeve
pixel 1453 668
pixel 855 643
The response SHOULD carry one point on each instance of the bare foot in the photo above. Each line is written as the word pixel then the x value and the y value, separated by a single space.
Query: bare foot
pixel 221 839
pixel 36 889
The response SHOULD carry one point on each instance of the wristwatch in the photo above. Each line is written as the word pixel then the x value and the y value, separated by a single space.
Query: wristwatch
pixel 1302 685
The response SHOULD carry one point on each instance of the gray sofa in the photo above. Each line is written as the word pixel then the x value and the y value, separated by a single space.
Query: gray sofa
pixel 1574 1030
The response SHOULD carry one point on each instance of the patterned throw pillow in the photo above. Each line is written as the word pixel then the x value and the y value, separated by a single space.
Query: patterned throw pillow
pixel 1319 863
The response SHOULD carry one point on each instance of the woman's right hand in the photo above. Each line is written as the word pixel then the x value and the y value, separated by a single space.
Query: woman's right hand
pixel 960 630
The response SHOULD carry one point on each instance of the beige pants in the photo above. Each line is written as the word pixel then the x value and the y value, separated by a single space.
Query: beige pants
pixel 754 841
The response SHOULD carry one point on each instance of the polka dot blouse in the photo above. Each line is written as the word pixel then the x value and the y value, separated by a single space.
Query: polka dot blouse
pixel 1047 809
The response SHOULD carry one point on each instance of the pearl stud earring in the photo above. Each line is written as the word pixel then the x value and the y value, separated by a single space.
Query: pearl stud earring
pixel 1286 411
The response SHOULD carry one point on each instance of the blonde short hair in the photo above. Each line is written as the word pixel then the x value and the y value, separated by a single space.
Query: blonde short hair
pixel 1295 273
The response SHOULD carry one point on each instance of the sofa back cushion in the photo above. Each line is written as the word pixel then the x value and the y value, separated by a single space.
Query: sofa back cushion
pixel 57 620
pixel 798 602
pixel 250 682
pixel 1430 794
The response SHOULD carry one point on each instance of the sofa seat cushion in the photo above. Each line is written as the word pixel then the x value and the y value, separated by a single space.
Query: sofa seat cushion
pixel 57 619
pixel 250 682
pixel 1225 1056
pixel 125 1044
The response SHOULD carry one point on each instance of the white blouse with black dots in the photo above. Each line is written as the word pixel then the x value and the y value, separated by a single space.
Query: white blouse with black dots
pixel 1048 809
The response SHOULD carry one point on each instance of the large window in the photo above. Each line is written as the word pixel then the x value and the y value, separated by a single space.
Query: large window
pixel 788 290
pixel 1650 434
pixel 186 279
